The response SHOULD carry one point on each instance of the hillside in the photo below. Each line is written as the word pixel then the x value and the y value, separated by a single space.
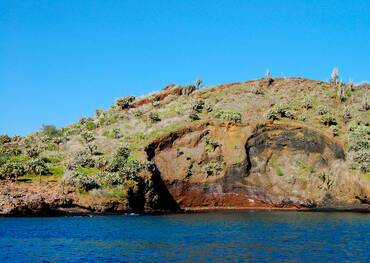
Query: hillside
pixel 272 143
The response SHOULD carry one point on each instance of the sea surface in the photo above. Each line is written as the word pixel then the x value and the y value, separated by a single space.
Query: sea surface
pixel 250 236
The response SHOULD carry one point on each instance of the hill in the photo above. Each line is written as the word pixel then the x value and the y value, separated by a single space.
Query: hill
pixel 287 143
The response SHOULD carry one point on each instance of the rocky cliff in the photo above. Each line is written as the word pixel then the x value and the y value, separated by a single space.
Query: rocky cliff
pixel 271 143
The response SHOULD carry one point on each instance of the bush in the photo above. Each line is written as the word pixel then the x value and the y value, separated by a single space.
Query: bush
pixel 50 131
pixel 154 117
pixel 211 145
pixel 362 158
pixel 227 115
pixel 257 90
pixel 209 108
pixel 81 159
pixel 307 103
pixel 4 139
pixel 123 167
pixel 12 170
pixel 84 182
pixel 365 104
pixel 347 115
pixel 33 151
pixel 279 111
pixel 119 159
pixel 138 113
pixel 334 130
pixel 37 166
pixel 87 136
pixel 341 94
pixel 116 133
pixel 213 167
pixel 328 120
pixel 92 148
pixel 124 103
pixel 359 137
pixel 321 110
pixel 99 113
pixel 187 90
pixel 198 106
pixel 193 116
pixel 110 178
pixel 130 169
pixel 302 117
pixel 334 75
pixel 90 126
pixel 359 141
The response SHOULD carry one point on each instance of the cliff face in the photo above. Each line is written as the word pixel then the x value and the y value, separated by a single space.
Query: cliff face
pixel 281 164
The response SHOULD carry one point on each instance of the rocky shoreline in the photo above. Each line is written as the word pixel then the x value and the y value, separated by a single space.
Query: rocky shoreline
pixel 47 200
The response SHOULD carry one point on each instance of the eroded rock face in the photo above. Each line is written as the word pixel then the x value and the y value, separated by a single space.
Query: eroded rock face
pixel 281 164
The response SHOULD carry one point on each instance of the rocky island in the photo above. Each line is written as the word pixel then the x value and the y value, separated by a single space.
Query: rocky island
pixel 284 143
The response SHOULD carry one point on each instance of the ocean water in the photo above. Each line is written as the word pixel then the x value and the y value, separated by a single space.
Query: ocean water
pixel 204 237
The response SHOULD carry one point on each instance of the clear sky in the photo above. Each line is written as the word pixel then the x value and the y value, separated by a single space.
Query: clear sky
pixel 60 60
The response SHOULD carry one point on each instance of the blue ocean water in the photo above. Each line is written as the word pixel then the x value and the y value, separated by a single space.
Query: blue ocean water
pixel 204 237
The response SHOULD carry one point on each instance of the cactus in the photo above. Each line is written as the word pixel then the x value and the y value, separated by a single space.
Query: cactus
pixel 193 116
pixel 154 117
pixel 198 106
pixel 124 103
pixel 321 110
pixel 334 76
pixel 307 103
pixel 279 111
pixel 347 115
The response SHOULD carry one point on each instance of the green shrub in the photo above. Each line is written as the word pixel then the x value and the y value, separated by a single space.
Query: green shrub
pixel 193 116
pixel 92 148
pixel 81 159
pixel 212 167
pixel 120 158
pixel 90 126
pixel 365 104
pixel 257 90
pixel 12 170
pixel 342 96
pixel 198 106
pixel 211 145
pixel 307 103
pixel 37 166
pixel 227 115
pixel 82 181
pixel 117 133
pixel 359 141
pixel 321 110
pixel 154 117
pixel 4 139
pixel 328 120
pixel 187 90
pixel 359 137
pixel 99 113
pixel 50 131
pixel 302 117
pixel 138 113
pixel 334 130
pixel 123 167
pixel 33 151
pixel 279 111
pixel 362 158
pixel 124 103
pixel 87 136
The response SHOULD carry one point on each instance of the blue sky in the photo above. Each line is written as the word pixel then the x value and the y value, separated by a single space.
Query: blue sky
pixel 60 60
